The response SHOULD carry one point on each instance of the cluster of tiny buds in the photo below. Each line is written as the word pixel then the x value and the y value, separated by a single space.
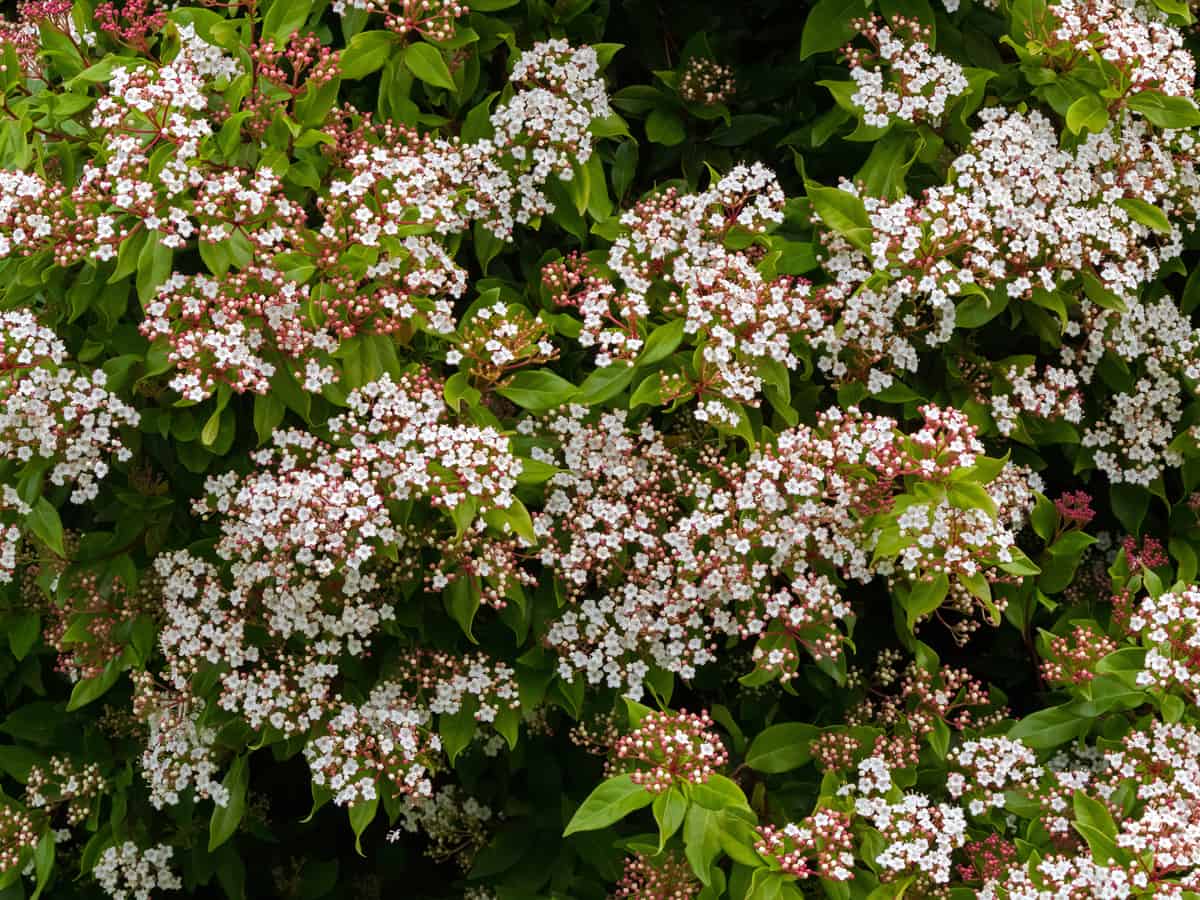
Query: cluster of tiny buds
pixel 1071 658
pixel 835 751
pixel 296 66
pixel 19 834
pixel 668 748
pixel 598 734
pixel 667 876
pixel 706 82
pixel 62 785
pixel 101 610
pixel 494 566
pixel 923 698
pixel 433 20
pixel 989 858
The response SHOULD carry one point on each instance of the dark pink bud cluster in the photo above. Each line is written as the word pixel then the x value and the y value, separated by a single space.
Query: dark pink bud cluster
pixel 1075 508
pixel 1147 552
pixel 134 23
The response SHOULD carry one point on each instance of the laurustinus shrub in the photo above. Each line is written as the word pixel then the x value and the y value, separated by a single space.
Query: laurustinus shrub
pixel 557 451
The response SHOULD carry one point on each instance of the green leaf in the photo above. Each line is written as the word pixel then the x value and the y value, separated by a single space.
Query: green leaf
pixel 719 792
pixel 45 523
pixel 648 391
pixel 1049 728
pixel 268 413
pixel 538 390
pixel 842 212
pixel 604 384
pixel 1164 111
pixel 664 127
pixel 702 840
pixel 426 62
pixel 458 730
pixel 612 801
pixel 977 309
pixel 925 597
pixel 1130 502
pixel 43 862
pixel 781 748
pixel 366 53
pixel 742 129
pixel 662 342
pixel 828 26
pixel 1087 113
pixel 362 815
pixel 1146 214
pixel 1092 812
pixel 225 819
pixel 1044 517
pixel 88 689
pixel 458 390
pixel 669 809
pixel 24 630
pixel 153 266
pixel 284 19
pixel 462 598
pixel 212 429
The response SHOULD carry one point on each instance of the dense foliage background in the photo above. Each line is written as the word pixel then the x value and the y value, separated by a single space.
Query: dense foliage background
pixel 583 449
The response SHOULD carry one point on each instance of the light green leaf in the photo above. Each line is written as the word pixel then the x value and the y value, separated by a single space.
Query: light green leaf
pixel 612 801
pixel 781 748
pixel 426 62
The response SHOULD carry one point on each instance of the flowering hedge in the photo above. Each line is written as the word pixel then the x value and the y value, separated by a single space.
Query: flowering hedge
pixel 583 450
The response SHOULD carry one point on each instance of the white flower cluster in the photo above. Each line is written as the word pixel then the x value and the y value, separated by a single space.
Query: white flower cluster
pixel 903 79
pixel 311 510
pixel 487 681
pixel 994 765
pixel 49 412
pixel 1019 215
pixel 1161 763
pixel 1156 342
pixel 1133 35
pixel 179 757
pixel 11 505
pixel 136 99
pixel 296 536
pixel 738 317
pixel 386 737
pixel 26 205
pixel 661 564
pixel 541 132
pixel 130 872
pixel 1169 626
pixel 920 836
pixel 1052 395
